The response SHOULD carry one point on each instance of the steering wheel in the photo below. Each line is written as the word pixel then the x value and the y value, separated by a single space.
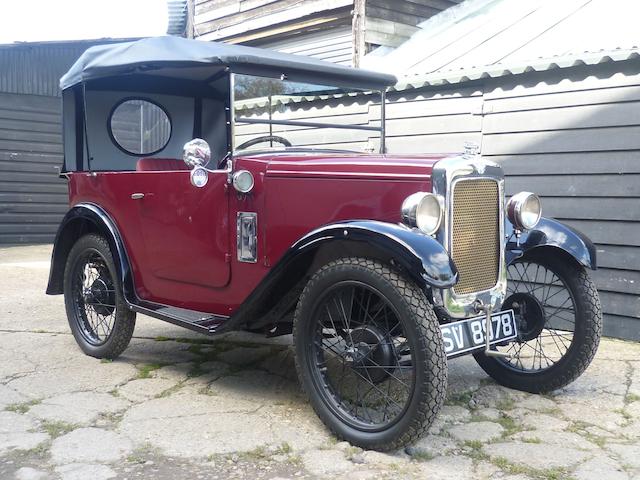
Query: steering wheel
pixel 266 138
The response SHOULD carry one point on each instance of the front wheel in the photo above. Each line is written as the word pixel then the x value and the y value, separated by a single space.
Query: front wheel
pixel 100 319
pixel 559 324
pixel 369 354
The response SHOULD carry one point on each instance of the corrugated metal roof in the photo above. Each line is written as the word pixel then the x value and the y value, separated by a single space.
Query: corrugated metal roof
pixel 500 70
pixel 177 20
pixel 492 38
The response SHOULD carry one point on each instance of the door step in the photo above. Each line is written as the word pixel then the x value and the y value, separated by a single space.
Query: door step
pixel 200 322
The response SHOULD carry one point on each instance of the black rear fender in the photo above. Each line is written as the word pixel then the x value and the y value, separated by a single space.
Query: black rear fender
pixel 82 219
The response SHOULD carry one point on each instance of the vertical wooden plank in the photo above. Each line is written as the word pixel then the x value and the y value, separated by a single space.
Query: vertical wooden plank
pixel 359 16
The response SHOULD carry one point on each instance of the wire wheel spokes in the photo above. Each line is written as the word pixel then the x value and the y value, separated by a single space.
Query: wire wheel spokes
pixel 363 361
pixel 545 312
pixel 94 298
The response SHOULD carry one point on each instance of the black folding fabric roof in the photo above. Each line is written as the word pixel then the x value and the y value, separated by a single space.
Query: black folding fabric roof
pixel 182 58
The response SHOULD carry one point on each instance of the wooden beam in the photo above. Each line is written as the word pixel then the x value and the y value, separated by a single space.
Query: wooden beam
pixel 306 25
pixel 401 11
pixel 382 32
pixel 394 15
pixel 267 17
pixel 437 4
pixel 191 9
pixel 359 24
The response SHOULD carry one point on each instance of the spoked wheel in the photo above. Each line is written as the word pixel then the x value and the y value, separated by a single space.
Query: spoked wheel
pixel 369 354
pixel 559 325
pixel 99 319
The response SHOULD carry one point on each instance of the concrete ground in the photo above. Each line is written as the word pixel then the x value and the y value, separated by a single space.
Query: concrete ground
pixel 177 405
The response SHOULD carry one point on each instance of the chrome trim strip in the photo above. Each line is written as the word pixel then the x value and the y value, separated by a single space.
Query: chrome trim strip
pixel 383 122
pixel 232 112
pixel 445 174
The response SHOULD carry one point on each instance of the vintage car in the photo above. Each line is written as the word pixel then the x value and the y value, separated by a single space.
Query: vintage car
pixel 221 187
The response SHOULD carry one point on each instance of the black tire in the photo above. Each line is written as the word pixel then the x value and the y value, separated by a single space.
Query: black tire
pixel 414 342
pixel 569 351
pixel 100 304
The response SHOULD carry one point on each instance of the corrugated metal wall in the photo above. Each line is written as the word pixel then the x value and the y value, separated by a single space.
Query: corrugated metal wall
pixel 32 197
pixel 35 69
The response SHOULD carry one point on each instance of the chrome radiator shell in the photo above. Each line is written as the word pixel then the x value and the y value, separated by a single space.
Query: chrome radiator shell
pixel 447 173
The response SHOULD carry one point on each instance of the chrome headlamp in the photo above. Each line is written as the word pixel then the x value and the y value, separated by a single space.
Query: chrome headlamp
pixel 424 211
pixel 524 210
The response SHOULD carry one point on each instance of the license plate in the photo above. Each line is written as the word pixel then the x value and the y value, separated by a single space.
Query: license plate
pixel 468 335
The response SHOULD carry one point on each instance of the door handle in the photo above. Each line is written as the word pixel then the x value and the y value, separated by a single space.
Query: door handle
pixel 137 196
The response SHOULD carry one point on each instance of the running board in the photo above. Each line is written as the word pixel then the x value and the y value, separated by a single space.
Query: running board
pixel 200 322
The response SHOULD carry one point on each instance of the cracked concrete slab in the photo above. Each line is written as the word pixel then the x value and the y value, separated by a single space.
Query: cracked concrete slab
pixel 18 432
pixel 627 454
pixel 83 471
pixel 89 445
pixel 561 439
pixel 326 462
pixel 536 456
pixel 476 432
pixel 449 467
pixel 179 405
pixel 8 396
pixel 80 408
pixel 601 467
pixel 145 389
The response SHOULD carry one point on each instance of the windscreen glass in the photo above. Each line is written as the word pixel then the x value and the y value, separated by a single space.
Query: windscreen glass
pixel 273 113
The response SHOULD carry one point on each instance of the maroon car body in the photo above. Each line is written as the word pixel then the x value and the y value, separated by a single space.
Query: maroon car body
pixel 174 218
pixel 382 266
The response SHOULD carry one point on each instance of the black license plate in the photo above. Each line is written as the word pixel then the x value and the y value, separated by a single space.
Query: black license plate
pixel 468 335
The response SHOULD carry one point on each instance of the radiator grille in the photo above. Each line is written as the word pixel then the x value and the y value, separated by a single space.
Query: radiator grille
pixel 475 235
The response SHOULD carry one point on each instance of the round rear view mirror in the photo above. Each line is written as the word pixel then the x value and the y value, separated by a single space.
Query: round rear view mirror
pixel 196 153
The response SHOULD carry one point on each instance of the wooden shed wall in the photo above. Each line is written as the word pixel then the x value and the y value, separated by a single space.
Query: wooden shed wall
pixel 243 19
pixel 392 22
pixel 576 141
pixel 266 23
pixel 333 45
pixel 32 197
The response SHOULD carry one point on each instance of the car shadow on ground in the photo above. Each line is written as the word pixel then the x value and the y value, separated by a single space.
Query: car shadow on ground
pixel 251 367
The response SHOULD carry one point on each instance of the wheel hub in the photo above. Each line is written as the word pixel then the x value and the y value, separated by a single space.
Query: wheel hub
pixel 529 315
pixel 100 297
pixel 368 351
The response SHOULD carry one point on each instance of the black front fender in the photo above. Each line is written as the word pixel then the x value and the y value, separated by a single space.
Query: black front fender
pixel 422 258
pixel 82 219
pixel 551 233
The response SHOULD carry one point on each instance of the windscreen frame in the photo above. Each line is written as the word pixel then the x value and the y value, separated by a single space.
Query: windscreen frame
pixel 234 119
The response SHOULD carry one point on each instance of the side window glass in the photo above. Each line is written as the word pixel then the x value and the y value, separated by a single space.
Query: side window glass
pixel 139 127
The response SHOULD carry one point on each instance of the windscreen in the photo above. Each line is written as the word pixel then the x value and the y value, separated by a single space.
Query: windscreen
pixel 274 113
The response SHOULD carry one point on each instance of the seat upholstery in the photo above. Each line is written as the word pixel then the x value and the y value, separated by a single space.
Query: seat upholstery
pixel 148 164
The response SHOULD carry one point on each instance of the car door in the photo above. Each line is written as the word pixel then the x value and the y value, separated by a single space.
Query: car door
pixel 185 231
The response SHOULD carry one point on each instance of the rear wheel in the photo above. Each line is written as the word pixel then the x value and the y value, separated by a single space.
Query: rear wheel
pixel 369 354
pixel 559 321
pixel 99 318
